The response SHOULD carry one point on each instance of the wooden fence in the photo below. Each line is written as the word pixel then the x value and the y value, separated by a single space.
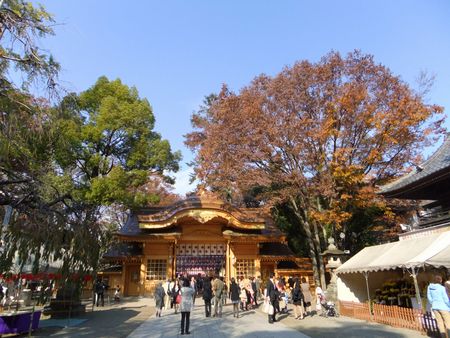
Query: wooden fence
pixel 396 316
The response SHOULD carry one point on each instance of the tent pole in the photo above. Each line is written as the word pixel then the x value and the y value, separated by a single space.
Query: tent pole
pixel 366 276
pixel 413 274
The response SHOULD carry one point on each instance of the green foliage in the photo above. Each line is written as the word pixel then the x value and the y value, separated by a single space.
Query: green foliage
pixel 109 141
pixel 21 24
pixel 62 167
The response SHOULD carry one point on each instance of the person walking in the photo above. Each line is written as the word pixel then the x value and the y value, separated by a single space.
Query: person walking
pixel 255 291
pixel 193 285
pixel 307 296
pixel 117 294
pixel 243 297
pixel 440 305
pixel 320 298
pixel 224 292
pixel 234 296
pixel 258 287
pixel 159 299
pixel 272 295
pixel 100 292
pixel 217 288
pixel 186 305
pixel 207 295
pixel 168 292
pixel 297 299
pixel 176 292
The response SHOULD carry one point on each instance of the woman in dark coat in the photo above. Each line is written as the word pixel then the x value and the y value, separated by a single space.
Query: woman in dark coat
pixel 176 290
pixel 298 299
pixel 207 295
pixel 159 299
pixel 235 297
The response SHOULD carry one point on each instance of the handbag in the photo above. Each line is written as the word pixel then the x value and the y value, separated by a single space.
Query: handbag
pixel 178 299
pixel 271 309
pixel 266 306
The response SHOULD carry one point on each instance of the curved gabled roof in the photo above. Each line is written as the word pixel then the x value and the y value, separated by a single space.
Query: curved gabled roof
pixel 165 221
pixel 202 208
pixel 436 168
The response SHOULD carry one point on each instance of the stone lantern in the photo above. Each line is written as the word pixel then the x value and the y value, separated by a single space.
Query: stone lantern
pixel 334 258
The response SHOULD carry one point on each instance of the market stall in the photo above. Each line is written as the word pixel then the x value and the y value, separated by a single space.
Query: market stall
pixel 393 277
pixel 372 266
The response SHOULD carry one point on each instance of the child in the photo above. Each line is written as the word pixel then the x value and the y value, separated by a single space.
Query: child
pixel 117 294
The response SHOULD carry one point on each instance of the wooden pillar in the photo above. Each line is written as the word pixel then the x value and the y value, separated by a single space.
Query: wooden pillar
pixel 124 273
pixel 227 265
pixel 232 260
pixel 257 267
pixel 142 275
pixel 174 260
pixel 170 256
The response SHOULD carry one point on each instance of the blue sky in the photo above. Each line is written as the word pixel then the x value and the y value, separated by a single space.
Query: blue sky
pixel 176 52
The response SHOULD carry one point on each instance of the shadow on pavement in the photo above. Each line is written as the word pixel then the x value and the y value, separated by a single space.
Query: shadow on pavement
pixel 350 331
pixel 110 323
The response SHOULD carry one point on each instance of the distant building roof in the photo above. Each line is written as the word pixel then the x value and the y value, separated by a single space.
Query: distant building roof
pixel 425 181
pixel 123 251
pixel 287 265
pixel 275 249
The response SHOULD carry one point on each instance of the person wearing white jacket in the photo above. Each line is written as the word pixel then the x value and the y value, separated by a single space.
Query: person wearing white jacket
pixel 320 296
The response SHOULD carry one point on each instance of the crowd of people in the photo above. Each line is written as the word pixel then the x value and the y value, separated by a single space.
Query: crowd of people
pixel 293 290
pixel 244 294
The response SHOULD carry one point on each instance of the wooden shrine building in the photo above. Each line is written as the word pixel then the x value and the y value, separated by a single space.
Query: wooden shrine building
pixel 430 184
pixel 200 235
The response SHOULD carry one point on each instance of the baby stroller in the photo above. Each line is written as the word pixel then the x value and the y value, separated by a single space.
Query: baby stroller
pixel 328 309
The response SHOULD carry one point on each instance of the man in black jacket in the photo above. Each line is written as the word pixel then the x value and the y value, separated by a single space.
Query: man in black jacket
pixel 255 291
pixel 272 294
pixel 207 295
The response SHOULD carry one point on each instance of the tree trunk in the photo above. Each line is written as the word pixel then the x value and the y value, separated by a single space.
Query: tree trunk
pixel 313 249
pixel 320 264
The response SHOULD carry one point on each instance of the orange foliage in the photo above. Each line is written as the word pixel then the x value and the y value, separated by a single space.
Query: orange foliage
pixel 328 131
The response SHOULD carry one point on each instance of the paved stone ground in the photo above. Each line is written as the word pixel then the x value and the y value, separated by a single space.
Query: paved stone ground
pixel 111 321
pixel 250 324
pixel 345 327
pixel 134 318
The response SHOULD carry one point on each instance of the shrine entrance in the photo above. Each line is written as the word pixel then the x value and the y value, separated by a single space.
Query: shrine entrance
pixel 201 258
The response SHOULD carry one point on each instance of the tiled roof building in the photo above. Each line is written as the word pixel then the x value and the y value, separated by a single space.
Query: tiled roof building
pixel 199 235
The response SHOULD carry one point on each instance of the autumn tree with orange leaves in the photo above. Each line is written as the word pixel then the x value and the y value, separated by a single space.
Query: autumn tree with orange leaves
pixel 316 138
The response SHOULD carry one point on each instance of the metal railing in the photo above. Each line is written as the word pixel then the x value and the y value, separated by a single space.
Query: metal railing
pixel 433 218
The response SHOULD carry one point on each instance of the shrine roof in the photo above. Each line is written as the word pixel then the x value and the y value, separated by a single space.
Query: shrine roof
pixel 275 249
pixel 287 265
pixel 202 209
pixel 123 250
pixel 131 228
pixel 437 167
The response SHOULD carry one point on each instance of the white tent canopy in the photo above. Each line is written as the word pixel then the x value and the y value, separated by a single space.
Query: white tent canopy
pixel 441 259
pixel 433 250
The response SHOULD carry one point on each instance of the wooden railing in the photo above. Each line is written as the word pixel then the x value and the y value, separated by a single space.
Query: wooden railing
pixel 355 310
pixel 396 316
